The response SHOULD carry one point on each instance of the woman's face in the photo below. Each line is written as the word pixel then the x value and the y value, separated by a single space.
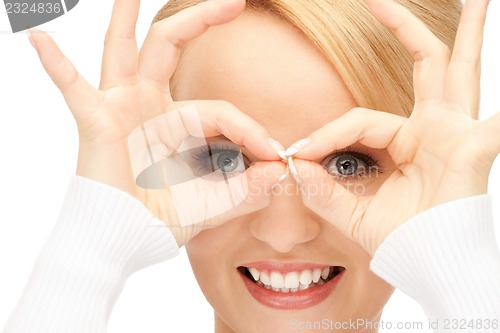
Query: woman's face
pixel 270 71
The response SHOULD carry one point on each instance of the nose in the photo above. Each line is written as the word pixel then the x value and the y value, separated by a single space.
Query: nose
pixel 286 222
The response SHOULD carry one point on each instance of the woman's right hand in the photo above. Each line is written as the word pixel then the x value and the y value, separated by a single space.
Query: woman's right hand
pixel 441 153
pixel 134 89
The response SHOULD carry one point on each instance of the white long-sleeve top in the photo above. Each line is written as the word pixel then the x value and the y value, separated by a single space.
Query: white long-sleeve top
pixel 445 258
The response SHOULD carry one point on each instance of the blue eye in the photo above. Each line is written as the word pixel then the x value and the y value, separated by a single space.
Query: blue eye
pixel 227 161
pixel 219 159
pixel 214 161
pixel 350 164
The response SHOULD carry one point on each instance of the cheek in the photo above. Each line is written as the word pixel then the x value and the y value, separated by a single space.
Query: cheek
pixel 373 292
pixel 363 294
pixel 212 254
pixel 205 252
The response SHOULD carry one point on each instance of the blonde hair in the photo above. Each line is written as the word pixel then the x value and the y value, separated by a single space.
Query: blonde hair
pixel 375 67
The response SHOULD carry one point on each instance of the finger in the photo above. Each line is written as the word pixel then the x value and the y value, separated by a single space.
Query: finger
pixel 223 118
pixel 160 52
pixel 373 129
pixel 210 203
pixel 464 71
pixel 157 138
pixel 430 54
pixel 119 61
pixel 78 93
pixel 335 202
pixel 259 179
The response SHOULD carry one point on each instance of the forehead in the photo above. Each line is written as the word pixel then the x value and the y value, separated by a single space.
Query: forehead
pixel 269 70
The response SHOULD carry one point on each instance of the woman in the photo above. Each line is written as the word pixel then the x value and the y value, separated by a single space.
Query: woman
pixel 357 178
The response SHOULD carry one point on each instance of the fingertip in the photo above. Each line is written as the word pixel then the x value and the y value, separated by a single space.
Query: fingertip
pixel 277 148
pixel 33 35
pixel 297 146
pixel 229 10
pixel 35 32
pixel 30 39
pixel 375 5
pixel 263 147
pixel 309 170
pixel 316 184
pixel 236 5
pixel 40 40
pixel 383 10
pixel 308 150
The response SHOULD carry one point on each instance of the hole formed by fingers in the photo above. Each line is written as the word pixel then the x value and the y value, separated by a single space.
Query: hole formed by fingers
pixel 187 169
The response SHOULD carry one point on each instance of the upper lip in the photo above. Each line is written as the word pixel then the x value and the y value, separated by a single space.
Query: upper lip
pixel 284 267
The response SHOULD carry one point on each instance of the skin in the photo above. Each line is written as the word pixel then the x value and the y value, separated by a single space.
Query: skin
pixel 423 158
pixel 256 73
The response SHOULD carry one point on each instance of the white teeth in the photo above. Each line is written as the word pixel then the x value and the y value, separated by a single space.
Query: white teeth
pixel 264 278
pixel 255 273
pixel 304 286
pixel 277 280
pixel 316 274
pixel 292 280
pixel 305 277
pixel 325 272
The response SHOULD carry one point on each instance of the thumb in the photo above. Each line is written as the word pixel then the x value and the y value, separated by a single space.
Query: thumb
pixel 204 203
pixel 338 203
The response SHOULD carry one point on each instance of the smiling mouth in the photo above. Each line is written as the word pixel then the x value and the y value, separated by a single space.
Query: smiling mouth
pixel 291 282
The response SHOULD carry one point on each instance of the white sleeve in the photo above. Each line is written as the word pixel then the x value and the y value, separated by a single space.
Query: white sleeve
pixel 102 236
pixel 447 259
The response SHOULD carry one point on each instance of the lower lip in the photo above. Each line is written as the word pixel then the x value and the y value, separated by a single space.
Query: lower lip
pixel 291 301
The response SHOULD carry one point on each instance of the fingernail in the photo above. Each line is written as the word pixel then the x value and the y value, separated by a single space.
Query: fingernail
pixel 294 172
pixel 281 179
pixel 277 147
pixel 284 175
pixel 31 39
pixel 296 147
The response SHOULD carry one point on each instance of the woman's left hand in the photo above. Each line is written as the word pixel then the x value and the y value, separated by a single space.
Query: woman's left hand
pixel 441 152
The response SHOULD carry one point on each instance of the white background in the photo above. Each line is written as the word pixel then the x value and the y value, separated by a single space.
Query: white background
pixel 38 146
